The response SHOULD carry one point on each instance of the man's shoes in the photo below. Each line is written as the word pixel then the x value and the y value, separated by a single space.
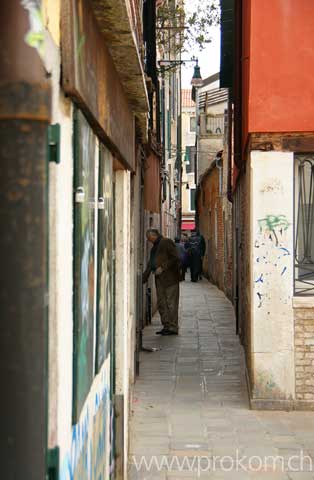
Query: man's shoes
pixel 166 332
pixel 160 332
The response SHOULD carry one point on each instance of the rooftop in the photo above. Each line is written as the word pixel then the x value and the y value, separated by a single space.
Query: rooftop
pixel 186 94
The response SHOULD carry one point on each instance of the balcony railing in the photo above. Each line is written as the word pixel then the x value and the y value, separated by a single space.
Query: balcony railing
pixel 215 124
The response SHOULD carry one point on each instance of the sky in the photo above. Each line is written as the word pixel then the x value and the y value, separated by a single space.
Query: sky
pixel 208 59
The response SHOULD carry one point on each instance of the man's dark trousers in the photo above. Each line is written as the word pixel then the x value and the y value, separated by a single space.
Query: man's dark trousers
pixel 168 304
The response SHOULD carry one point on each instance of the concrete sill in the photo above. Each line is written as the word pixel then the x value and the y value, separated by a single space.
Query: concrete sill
pixel 303 302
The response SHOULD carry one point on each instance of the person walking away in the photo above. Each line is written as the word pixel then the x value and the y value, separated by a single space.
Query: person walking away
pixel 195 257
pixel 182 254
pixel 164 263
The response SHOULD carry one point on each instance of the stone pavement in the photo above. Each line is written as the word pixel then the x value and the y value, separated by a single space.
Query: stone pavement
pixel 190 411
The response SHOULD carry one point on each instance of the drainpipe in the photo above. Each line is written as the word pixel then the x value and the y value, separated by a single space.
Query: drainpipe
pixel 24 117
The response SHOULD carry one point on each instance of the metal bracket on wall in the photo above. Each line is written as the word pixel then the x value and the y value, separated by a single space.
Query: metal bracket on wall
pixel 54 137
pixel 53 461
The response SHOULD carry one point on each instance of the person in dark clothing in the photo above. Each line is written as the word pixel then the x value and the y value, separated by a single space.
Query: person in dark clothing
pixel 197 250
pixel 164 263
pixel 182 254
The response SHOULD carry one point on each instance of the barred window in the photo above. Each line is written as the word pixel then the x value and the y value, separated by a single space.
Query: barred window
pixel 304 225
pixel 215 124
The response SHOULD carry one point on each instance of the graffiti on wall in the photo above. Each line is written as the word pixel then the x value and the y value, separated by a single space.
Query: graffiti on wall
pixel 272 258
pixel 90 451
pixel 274 225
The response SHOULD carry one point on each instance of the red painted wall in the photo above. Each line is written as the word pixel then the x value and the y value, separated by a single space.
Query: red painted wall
pixel 280 93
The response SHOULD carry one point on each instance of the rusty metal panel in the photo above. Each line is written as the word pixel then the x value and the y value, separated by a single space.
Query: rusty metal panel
pixel 89 76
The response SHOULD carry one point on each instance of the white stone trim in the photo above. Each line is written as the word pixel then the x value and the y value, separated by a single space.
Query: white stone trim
pixel 303 302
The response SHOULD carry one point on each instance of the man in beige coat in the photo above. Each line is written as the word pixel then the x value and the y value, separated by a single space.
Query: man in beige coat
pixel 164 263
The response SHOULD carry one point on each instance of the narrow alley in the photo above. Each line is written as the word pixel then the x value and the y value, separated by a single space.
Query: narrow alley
pixel 190 409
pixel 141 140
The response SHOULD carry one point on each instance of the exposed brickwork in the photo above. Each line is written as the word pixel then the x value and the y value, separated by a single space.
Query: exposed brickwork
pixel 228 223
pixel 215 220
pixel 304 354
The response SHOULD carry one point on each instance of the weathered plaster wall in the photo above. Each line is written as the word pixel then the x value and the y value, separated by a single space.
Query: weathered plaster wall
pixel 271 254
pixel 124 316
pixel 51 18
pixel 209 146
pixel 60 262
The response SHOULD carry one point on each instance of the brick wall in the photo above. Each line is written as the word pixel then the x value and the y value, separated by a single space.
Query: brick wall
pixel 228 249
pixel 304 354
pixel 215 220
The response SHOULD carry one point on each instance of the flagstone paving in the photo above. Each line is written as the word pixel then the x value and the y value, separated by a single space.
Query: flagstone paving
pixel 190 410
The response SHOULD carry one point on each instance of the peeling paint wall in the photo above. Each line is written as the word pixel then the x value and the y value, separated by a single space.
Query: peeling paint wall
pixel 60 262
pixel 124 316
pixel 51 18
pixel 271 253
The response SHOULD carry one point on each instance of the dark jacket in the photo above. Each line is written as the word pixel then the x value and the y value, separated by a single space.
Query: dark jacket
pixel 166 257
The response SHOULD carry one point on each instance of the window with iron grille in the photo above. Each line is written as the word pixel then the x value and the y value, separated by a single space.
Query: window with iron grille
pixel 304 225
pixel 215 124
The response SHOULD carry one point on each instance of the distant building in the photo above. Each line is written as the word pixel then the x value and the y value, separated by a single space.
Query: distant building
pixel 188 163
pixel 212 104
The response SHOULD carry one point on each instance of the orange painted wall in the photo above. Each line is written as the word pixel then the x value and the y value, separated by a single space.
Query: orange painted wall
pixel 281 66
pixel 246 62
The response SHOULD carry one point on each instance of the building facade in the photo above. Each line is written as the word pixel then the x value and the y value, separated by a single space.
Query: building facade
pixel 80 108
pixel 272 152
pixel 212 103
pixel 169 46
pixel 188 165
